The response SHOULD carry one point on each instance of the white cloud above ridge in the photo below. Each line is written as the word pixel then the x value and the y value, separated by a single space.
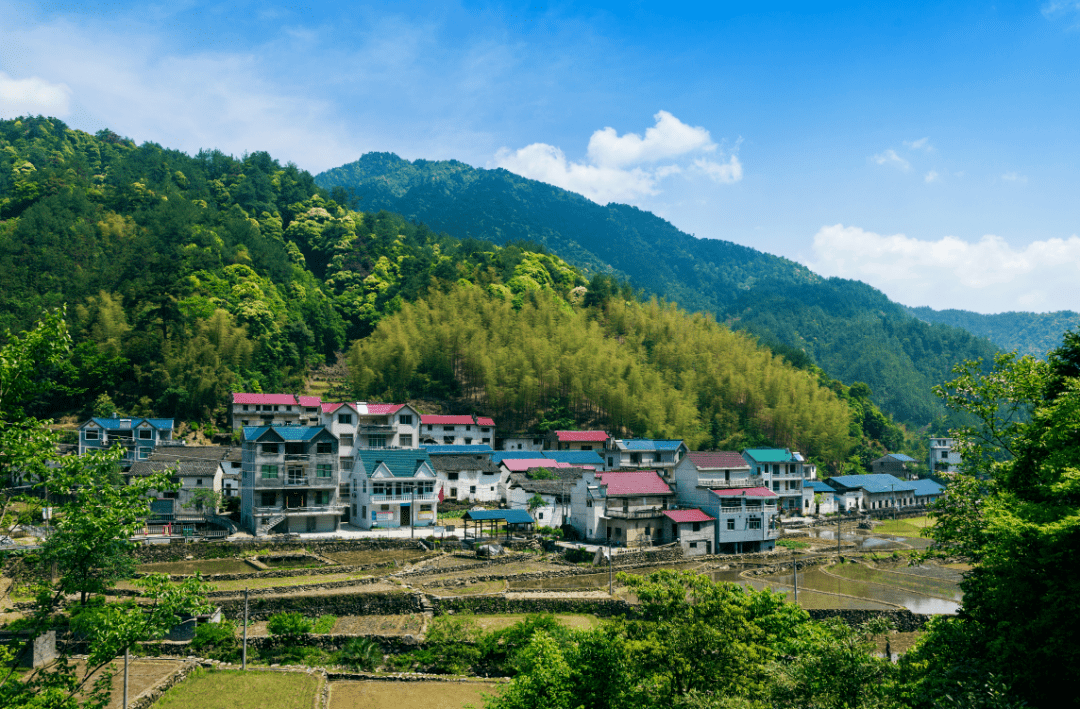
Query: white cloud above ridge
pixel 33 96
pixel 986 276
pixel 623 168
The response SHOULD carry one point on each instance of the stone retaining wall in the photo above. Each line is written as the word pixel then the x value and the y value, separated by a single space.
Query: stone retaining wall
pixel 286 573
pixel 261 608
pixel 154 553
pixel 489 605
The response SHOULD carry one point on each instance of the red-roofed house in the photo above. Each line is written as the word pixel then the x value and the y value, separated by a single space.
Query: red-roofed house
pixel 249 409
pixel 623 508
pixel 576 440
pixel 360 426
pixel 456 430
pixel 724 485
pixel 693 529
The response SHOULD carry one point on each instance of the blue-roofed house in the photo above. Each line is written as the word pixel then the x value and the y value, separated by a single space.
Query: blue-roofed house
pixel 927 491
pixel 138 436
pixel 898 464
pixel 644 454
pixel 786 473
pixel 291 480
pixel 578 458
pixel 393 488
pixel 875 492
pixel 472 449
pixel 824 499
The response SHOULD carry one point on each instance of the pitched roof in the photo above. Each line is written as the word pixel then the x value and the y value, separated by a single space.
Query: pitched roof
pixel 714 460
pixel 586 458
pixel 310 400
pixel 680 516
pixel 134 422
pixel 446 420
pixel 874 484
pixel 330 407
pixel 190 452
pixel 451 463
pixel 516 465
pixel 378 409
pixel 287 433
pixel 187 460
pixel 402 462
pixel 637 482
pixel 819 486
pixel 473 448
pixel 484 421
pixel 747 491
pixel 509 516
pixel 648 444
pixel 768 455
pixel 926 486
pixel 898 457
pixel 581 436
pixel 559 486
pixel 247 398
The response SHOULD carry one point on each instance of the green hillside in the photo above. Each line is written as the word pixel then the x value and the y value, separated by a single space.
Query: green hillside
pixel 1033 334
pixel 851 330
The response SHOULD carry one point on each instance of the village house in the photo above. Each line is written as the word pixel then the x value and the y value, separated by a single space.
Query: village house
pixel 456 430
pixel 693 530
pixel 896 464
pixel 622 508
pixel 576 440
pixel 878 492
pixel 291 480
pixel 825 500
pixel 927 491
pixel 943 457
pixel 724 485
pixel 200 471
pixel 643 453
pixel 360 425
pixel 785 472
pixel 465 477
pixel 393 488
pixel 250 409
pixel 139 437
pixel 553 488
pixel 520 442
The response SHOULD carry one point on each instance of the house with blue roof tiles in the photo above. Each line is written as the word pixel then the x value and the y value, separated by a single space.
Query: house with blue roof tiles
pixel 644 454
pixel 394 488
pixel 291 480
pixel 875 492
pixel 139 437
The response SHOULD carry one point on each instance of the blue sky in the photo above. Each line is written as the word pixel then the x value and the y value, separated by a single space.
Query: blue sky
pixel 930 150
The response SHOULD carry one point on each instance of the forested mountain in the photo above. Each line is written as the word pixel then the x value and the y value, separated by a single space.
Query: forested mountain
pixel 188 277
pixel 851 330
pixel 1033 334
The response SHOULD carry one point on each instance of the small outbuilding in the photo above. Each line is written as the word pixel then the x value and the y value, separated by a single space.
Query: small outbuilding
pixel 514 521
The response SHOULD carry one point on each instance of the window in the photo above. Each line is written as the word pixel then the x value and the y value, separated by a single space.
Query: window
pixel 146 434
pixel 145 453
pixel 425 508
pixel 347 440
pixel 345 463
pixel 344 418
pixel 244 422
pixel 731 523
pixel 91 434
pixel 693 545
pixel 269 499
pixel 269 448
pixel 406 440
pixel 322 497
pixel 755 523
pixel 453 492
pixel 448 440
pixel 198 481
pixel 363 511
pixel 406 419
pixel 376 441
pixel 472 489
pixel 451 476
pixel 245 407
pixel 539 515
pixel 468 428
pixel 269 472
pixel 322 470
pixel 468 441
pixel 384 508
pixel 486 440
pixel 586 448
pixel 324 447
pixel 697 526
pixel 288 407
pixel 429 427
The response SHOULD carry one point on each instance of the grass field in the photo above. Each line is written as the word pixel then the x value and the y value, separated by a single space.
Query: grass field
pixel 408 695
pixel 570 620
pixel 912 527
pixel 234 689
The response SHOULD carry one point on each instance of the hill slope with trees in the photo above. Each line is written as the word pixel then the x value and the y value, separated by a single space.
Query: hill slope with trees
pixel 853 331
pixel 1032 334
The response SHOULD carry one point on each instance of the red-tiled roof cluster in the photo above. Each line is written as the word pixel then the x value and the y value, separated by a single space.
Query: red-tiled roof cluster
pixel 582 436
pixel 272 399
pixel 637 482
pixel 710 460
pixel 680 516
pixel 748 491
pixel 484 421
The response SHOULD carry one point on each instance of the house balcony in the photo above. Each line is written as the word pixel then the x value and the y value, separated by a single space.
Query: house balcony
pixel 646 465
pixel 640 513
pixel 375 428
pixel 331 509
pixel 419 497
pixel 284 480
pixel 725 484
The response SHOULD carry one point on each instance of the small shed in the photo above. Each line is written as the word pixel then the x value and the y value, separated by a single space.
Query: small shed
pixel 515 521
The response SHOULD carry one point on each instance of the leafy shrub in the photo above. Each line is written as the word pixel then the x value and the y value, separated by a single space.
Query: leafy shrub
pixel 289 624
pixel 324 624
pixel 361 654
pixel 452 643
pixel 499 648
pixel 292 654
pixel 217 641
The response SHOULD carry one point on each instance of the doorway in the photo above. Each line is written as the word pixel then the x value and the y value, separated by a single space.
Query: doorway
pixel 406 516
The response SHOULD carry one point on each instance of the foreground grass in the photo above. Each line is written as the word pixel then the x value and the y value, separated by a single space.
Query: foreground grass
pixel 205 689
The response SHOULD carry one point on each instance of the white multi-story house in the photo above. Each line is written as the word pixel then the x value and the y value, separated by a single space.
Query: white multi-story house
pixel 393 488
pixel 360 425
pixel 785 472
pixel 471 477
pixel 576 440
pixel 139 437
pixel 943 459
pixel 723 484
pixel 643 453
pixel 521 442
pixel 456 430
pixel 291 480
pixel 622 508
pixel 249 409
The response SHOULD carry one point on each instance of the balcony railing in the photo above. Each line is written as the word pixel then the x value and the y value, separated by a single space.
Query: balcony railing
pixel 296 481
pixel 332 508
pixel 418 497
pixel 721 483
pixel 634 514
pixel 375 428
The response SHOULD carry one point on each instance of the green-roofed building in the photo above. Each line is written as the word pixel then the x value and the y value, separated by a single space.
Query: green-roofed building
pixel 786 473
pixel 393 488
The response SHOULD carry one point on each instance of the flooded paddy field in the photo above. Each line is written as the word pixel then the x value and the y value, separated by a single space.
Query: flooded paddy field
pixel 202 566
pixel 863 592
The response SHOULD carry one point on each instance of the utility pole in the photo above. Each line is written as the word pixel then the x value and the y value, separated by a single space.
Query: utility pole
pixel 795 570
pixel 244 660
pixel 127 656
pixel 412 513
pixel 610 587
pixel 839 515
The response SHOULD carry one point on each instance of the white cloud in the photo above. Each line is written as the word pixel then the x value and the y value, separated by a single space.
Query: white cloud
pixel 920 144
pixel 889 157
pixel 622 168
pixel 1014 177
pixel 986 276
pixel 932 176
pixel 33 96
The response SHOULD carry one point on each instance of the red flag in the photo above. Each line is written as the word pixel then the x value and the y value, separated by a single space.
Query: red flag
pixel 441 496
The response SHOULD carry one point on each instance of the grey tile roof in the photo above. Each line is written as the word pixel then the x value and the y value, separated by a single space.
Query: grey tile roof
pixel 455 463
